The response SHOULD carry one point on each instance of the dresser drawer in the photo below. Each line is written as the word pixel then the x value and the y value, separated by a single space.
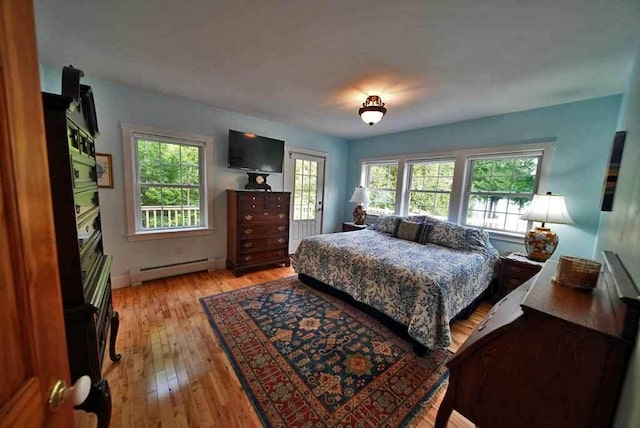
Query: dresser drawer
pixel 87 225
pixel 84 201
pixel 262 243
pixel 262 229
pixel 277 200
pixel 90 252
pixel 263 256
pixel 252 202
pixel 264 216
pixel 83 172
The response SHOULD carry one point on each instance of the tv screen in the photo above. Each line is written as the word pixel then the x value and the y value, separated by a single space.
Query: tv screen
pixel 254 153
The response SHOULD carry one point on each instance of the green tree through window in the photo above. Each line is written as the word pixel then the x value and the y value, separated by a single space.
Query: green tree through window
pixel 169 184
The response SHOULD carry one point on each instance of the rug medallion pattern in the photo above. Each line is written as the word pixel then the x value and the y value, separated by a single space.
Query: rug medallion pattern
pixel 307 359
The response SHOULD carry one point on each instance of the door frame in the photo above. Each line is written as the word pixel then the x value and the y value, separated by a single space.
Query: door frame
pixel 288 178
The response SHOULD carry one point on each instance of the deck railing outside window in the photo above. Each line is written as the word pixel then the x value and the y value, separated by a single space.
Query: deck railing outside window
pixel 156 217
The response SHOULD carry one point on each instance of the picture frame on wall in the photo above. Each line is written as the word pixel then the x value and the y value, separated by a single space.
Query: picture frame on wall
pixel 611 178
pixel 104 172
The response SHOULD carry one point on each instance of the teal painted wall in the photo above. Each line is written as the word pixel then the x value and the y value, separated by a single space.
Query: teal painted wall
pixel 620 231
pixel 583 132
pixel 117 103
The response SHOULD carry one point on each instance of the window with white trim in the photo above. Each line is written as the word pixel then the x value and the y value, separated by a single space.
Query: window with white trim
pixel 429 187
pixel 166 182
pixel 381 180
pixel 485 187
pixel 498 190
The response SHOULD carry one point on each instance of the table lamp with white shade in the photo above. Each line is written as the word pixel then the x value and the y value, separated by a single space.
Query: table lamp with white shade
pixel 541 242
pixel 360 197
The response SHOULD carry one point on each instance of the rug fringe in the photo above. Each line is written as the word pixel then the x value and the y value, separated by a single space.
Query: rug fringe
pixel 415 417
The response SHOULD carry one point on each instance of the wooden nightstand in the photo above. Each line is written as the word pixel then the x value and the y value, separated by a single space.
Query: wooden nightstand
pixel 349 226
pixel 515 269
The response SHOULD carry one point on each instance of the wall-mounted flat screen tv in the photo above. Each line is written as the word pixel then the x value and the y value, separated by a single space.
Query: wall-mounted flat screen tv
pixel 254 153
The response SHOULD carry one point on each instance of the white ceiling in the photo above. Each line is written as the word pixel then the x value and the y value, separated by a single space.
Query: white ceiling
pixel 312 63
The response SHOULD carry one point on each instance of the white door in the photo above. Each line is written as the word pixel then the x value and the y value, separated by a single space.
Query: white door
pixel 304 177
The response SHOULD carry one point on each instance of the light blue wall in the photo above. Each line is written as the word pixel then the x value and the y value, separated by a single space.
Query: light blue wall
pixel 583 132
pixel 620 232
pixel 117 103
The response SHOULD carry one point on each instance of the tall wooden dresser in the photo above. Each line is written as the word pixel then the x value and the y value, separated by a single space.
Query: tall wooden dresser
pixel 257 229
pixel 84 268
pixel 547 355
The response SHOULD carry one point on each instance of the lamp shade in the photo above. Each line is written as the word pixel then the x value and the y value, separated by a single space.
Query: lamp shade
pixel 547 209
pixel 360 196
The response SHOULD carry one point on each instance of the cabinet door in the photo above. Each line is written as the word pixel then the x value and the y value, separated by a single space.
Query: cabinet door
pixel 33 351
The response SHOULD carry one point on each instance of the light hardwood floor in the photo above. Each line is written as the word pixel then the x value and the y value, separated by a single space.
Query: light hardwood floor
pixel 174 372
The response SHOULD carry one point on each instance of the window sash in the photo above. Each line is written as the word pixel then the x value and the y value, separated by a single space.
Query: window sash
pixel 372 208
pixel 141 218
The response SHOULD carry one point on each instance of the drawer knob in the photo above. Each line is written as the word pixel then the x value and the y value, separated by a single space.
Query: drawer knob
pixel 254 205
pixel 280 240
pixel 248 231
pixel 280 228
pixel 77 209
pixel 281 216
pixel 248 217
pixel 265 213
pixel 76 173
pixel 278 205
pixel 254 198
pixel 248 244
pixel 248 258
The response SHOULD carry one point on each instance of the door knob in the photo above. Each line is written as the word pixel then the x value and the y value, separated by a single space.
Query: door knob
pixel 61 393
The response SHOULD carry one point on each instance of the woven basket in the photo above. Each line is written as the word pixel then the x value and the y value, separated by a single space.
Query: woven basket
pixel 575 272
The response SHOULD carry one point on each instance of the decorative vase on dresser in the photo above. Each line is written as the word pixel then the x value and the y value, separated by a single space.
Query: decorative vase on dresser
pixel 71 128
pixel 547 355
pixel 257 229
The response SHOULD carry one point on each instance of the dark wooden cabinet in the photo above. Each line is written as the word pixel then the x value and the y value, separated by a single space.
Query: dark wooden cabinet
pixel 547 355
pixel 514 270
pixel 257 229
pixel 83 267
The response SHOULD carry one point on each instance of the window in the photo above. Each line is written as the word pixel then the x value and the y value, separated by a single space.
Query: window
pixel 486 187
pixel 430 186
pixel 166 183
pixel 381 181
pixel 499 189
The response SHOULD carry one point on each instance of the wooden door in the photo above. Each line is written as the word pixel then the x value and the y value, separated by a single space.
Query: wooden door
pixel 32 341
pixel 304 177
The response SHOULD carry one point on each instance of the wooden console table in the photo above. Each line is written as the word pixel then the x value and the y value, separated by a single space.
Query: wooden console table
pixel 547 355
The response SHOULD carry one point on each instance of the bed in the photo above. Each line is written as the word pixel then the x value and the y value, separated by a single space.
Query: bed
pixel 420 285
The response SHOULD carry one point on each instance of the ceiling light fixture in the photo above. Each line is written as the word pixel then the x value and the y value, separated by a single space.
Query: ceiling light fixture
pixel 372 110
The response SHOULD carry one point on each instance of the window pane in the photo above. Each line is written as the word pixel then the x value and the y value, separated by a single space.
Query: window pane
pixel 430 188
pixel 382 181
pixel 491 180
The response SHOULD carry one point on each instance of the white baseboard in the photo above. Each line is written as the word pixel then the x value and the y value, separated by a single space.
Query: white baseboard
pixel 120 281
pixel 137 276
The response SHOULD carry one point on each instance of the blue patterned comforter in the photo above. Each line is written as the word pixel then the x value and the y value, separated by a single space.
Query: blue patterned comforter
pixel 420 286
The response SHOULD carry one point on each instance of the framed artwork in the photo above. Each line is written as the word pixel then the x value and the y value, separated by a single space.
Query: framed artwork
pixel 611 179
pixel 104 172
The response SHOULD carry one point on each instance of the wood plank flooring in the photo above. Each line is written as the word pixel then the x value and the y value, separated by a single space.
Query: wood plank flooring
pixel 174 372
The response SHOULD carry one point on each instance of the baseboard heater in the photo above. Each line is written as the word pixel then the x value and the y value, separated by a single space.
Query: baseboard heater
pixel 137 276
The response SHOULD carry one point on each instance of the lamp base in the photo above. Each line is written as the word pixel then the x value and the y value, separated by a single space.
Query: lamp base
pixel 540 243
pixel 359 215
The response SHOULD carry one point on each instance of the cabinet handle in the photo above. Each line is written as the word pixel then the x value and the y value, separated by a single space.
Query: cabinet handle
pixel 76 173
pixel 248 244
pixel 280 216
pixel 247 258
pixel 280 228
pixel 77 209
pixel 87 228
pixel 266 214
pixel 248 217
pixel 248 231
pixel 280 241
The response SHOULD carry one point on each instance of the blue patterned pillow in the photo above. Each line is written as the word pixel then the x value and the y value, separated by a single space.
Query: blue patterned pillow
pixel 458 237
pixel 386 223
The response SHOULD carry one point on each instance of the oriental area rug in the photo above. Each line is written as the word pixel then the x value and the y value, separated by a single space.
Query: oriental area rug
pixel 307 359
